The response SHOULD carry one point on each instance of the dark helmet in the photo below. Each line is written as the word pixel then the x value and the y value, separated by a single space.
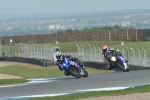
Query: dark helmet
pixel 105 48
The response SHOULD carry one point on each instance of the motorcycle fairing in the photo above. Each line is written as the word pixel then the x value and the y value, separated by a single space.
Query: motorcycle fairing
pixel 122 60
pixel 66 64
pixel 80 69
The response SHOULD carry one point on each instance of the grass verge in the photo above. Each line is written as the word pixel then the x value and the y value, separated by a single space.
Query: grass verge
pixel 139 89
pixel 36 72
pixel 12 81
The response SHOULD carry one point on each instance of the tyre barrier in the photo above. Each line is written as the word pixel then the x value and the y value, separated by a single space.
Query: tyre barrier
pixel 40 62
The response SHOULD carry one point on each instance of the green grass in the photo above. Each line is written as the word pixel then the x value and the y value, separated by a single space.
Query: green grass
pixel 71 46
pixel 40 72
pixel 27 72
pixel 139 89
pixel 12 81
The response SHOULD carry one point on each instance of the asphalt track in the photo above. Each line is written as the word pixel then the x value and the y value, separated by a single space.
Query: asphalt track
pixel 68 84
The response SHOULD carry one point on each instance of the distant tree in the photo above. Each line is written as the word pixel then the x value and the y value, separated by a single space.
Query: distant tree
pixel 85 30
pixel 76 30
pixel 59 31
pixel 115 27
pixel 131 27
pixel 68 30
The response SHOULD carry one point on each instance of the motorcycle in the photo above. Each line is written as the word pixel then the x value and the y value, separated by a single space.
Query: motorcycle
pixel 117 61
pixel 73 68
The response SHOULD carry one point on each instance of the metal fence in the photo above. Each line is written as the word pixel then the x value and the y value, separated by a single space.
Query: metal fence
pixel 136 56
pixel 38 51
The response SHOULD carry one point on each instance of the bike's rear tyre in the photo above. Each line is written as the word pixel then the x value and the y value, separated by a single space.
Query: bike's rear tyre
pixel 74 71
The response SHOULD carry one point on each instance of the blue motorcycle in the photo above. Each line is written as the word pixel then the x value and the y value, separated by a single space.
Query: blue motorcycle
pixel 73 68
pixel 116 60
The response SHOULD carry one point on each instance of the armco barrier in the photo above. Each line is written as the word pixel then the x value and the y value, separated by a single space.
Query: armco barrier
pixel 48 63
pixel 40 62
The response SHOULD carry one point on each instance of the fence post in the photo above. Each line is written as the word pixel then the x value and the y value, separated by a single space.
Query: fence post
pixel 132 55
pixel 139 60
pixel 28 50
pixel 82 52
pixel 98 53
pixel 127 34
pixel 90 52
pixel 25 51
pixel 85 51
pixel 16 50
pixel 127 52
pixel 136 35
pixel 109 35
pixel 78 49
pixel 94 53
pixel 144 62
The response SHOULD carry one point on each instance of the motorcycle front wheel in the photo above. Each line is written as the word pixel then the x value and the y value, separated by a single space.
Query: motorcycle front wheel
pixel 122 67
pixel 85 73
pixel 74 71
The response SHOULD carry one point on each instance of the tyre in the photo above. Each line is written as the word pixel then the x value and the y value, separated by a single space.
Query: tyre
pixel 74 71
pixel 121 66
pixel 110 67
pixel 66 73
pixel 85 74
pixel 128 69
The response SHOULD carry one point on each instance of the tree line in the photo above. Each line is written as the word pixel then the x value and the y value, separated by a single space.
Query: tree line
pixel 115 27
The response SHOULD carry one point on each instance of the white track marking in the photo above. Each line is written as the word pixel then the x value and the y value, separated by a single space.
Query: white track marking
pixel 77 91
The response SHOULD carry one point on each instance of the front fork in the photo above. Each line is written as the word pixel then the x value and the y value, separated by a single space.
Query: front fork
pixel 125 65
pixel 81 71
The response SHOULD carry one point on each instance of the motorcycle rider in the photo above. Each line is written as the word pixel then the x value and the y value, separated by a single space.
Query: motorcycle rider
pixel 60 58
pixel 106 52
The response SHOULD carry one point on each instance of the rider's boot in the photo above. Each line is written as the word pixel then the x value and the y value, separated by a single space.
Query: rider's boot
pixel 109 67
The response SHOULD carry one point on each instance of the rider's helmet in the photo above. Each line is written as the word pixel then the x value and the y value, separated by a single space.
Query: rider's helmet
pixel 105 48
pixel 58 55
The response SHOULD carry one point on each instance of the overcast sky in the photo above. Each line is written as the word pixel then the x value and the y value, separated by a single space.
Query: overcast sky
pixel 69 6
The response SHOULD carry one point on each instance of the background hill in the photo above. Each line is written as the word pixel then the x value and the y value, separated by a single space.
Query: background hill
pixel 25 24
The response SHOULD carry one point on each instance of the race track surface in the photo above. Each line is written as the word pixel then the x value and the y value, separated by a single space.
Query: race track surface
pixel 70 84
